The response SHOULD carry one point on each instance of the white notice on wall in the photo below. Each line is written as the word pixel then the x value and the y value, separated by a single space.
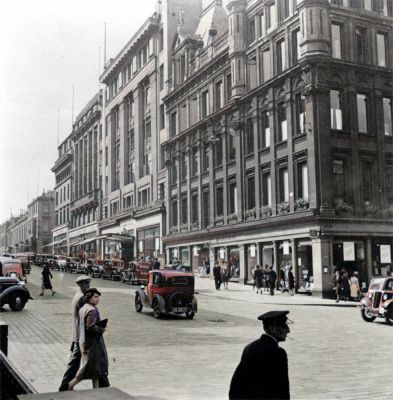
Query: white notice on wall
pixel 349 251
pixel 252 251
pixel 286 248
pixel 386 256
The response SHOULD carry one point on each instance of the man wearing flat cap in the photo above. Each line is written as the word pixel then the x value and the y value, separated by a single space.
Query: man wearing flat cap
pixel 83 283
pixel 263 370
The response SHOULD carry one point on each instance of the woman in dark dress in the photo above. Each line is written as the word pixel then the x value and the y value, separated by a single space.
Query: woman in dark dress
pixel 46 283
pixel 94 358
pixel 291 282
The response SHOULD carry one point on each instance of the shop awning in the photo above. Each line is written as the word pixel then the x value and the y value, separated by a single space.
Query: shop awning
pixel 117 238
pixel 53 243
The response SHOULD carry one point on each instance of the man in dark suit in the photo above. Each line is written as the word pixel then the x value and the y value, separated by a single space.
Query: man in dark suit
pixel 263 369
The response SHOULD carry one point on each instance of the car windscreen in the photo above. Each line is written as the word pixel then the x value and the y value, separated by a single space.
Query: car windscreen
pixel 179 281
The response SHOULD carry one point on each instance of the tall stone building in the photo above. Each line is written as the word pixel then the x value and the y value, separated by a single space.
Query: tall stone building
pixel 280 148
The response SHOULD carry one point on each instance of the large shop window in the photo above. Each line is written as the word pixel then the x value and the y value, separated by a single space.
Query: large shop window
pixel 335 110
pixel 387 116
pixel 362 107
pixel 149 241
pixel 336 40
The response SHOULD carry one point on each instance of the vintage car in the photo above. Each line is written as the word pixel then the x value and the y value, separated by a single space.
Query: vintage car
pixel 112 269
pixel 378 301
pixel 94 267
pixel 168 291
pixel 73 264
pixel 14 293
pixel 12 267
pixel 25 260
pixel 137 272
pixel 178 267
pixel 44 259
pixel 59 262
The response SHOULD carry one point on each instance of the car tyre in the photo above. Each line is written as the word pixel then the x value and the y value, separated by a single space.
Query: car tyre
pixel 16 302
pixel 367 316
pixel 138 303
pixel 156 310
pixel 389 315
pixel 190 314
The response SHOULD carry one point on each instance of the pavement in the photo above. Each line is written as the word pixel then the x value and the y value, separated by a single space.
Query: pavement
pixel 333 353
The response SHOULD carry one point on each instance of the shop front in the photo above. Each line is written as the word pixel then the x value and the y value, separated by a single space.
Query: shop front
pixel 148 242
pixel 381 250
pixel 304 275
pixel 200 257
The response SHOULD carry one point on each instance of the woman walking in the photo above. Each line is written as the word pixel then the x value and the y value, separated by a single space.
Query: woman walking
pixel 94 360
pixel 355 288
pixel 225 276
pixel 291 282
pixel 46 283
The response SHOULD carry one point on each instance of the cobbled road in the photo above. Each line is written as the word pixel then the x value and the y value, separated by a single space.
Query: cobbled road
pixel 334 354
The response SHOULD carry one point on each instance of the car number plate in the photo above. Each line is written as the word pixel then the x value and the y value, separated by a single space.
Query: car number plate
pixel 179 309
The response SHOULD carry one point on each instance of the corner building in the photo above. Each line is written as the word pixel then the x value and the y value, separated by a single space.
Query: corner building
pixel 279 146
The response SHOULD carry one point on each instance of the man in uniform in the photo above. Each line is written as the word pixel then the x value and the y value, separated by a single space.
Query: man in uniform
pixel 263 369
pixel 83 283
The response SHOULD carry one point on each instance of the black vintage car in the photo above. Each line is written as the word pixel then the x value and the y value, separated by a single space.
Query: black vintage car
pixel 14 293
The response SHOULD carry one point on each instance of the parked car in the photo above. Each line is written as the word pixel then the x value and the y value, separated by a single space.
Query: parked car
pixel 59 262
pixel 44 259
pixel 378 301
pixel 94 267
pixel 112 269
pixel 137 272
pixel 25 260
pixel 77 266
pixel 178 267
pixel 12 268
pixel 14 293
pixel 168 291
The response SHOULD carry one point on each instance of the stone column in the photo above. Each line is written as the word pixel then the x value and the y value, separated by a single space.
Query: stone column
pixel 321 258
pixel 369 259
pixel 295 267
pixel 242 261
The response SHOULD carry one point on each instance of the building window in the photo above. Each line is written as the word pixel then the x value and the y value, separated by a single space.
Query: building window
pixel 231 146
pixel 219 200
pixel 162 77
pixel 205 157
pixel 161 40
pixel 284 185
pixel 194 208
pixel 228 87
pixel 389 183
pixel 250 192
pixel 162 116
pixel 282 122
pixel 218 95
pixel 336 41
pixel 173 124
pixel 387 116
pixel 339 181
pixel 251 30
pixel 194 161
pixel 300 113
pixel 265 129
pixel 218 152
pixel 249 142
pixel 184 210
pixel 335 110
pixel 266 62
pixel 205 103
pixel 183 71
pixel 367 180
pixel 381 49
pixel 173 173
pixel 302 181
pixel 361 45
pixel 252 72
pixel 266 190
pixel 174 212
pixel 296 45
pixel 271 17
pixel 281 63
pixel 183 166
pixel 284 9
pixel 232 193
pixel 262 29
pixel 205 207
pixel 362 113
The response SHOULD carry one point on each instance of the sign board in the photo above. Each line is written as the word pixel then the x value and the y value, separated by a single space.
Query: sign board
pixel 195 250
pixel 286 248
pixel 349 251
pixel 253 250
pixel 157 243
pixel 221 254
pixel 386 257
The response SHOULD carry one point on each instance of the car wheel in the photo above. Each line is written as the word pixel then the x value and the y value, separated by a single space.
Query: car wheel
pixel 389 315
pixel 190 314
pixel 16 302
pixel 138 303
pixel 367 316
pixel 156 310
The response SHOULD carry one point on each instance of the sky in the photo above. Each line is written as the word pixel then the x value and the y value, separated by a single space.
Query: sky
pixel 47 47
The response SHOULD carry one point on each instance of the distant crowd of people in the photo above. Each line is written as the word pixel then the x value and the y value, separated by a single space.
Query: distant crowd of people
pixel 266 279
pixel 346 286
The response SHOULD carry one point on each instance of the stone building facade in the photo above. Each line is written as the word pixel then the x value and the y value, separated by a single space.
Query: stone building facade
pixel 279 148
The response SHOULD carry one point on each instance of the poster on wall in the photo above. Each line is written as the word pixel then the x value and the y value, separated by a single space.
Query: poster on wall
pixel 253 251
pixel 349 251
pixel 386 257
pixel 286 248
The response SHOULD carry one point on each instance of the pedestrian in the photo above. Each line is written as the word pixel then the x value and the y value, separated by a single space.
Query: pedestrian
pixel 337 283
pixel 83 283
pixel 217 275
pixel 258 279
pixel 263 370
pixel 206 264
pixel 265 273
pixel 345 288
pixel 46 280
pixel 94 358
pixel 291 282
pixel 272 277
pixel 354 284
pixel 225 275
pixel 156 264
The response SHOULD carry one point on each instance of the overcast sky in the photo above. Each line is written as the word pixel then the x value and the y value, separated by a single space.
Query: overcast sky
pixel 46 47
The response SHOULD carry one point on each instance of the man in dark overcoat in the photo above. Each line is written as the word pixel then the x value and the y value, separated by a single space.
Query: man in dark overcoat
pixel 263 369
